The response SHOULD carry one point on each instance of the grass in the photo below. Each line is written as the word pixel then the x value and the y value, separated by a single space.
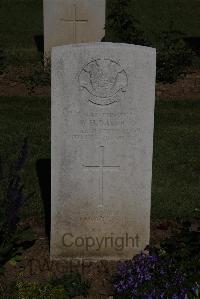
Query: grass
pixel 22 20
pixel 176 163
pixel 158 15
pixel 176 166
pixel 26 117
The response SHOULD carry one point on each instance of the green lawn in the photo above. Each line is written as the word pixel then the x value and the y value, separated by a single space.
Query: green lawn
pixel 26 117
pixel 176 164
pixel 22 20
pixel 158 15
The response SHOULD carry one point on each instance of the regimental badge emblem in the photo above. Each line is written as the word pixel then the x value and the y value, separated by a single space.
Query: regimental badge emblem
pixel 104 81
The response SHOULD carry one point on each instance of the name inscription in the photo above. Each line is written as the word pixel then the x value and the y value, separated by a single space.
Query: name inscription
pixel 104 125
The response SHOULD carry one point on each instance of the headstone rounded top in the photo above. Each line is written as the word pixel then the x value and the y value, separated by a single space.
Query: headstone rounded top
pixel 104 45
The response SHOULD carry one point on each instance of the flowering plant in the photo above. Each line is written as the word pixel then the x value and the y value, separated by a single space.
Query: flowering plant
pixel 153 275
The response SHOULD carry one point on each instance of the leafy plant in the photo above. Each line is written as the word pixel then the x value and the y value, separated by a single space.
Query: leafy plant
pixel 183 249
pixel 173 56
pixel 73 284
pixel 171 272
pixel 40 75
pixel 121 26
pixel 69 286
pixel 33 290
pixel 14 237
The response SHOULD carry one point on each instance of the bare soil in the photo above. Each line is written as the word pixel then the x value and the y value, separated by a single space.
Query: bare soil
pixel 186 87
pixel 36 264
pixel 11 83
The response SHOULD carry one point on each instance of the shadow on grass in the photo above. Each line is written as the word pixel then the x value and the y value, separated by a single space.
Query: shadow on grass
pixel 39 41
pixel 43 168
pixel 193 43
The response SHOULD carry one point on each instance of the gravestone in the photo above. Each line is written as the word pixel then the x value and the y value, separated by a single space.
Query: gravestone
pixel 73 21
pixel 102 141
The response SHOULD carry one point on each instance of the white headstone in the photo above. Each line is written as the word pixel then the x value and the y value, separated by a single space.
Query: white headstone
pixel 73 21
pixel 102 141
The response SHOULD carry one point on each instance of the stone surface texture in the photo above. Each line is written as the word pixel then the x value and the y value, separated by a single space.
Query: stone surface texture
pixel 103 97
pixel 73 21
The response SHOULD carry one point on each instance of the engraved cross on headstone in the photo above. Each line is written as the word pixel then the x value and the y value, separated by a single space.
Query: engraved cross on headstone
pixel 74 21
pixel 101 167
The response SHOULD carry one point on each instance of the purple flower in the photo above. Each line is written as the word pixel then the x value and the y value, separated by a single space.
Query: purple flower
pixel 150 276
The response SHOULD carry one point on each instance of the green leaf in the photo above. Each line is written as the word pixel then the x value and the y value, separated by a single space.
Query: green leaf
pixel 25 235
pixel 14 260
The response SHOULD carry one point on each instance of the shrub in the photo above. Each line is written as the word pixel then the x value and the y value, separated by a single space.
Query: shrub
pixel 171 272
pixel 69 286
pixel 121 26
pixel 40 75
pixel 183 249
pixel 153 277
pixel 33 290
pixel 173 57
pixel 73 284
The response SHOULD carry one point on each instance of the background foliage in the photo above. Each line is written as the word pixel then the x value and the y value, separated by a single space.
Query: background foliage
pixel 21 21
pixel 173 56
